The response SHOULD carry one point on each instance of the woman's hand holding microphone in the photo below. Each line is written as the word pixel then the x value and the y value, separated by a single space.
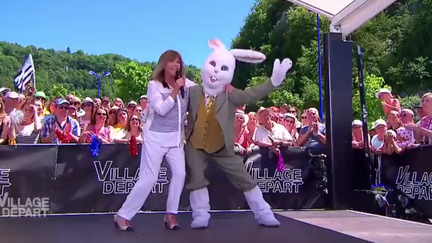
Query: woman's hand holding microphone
pixel 179 84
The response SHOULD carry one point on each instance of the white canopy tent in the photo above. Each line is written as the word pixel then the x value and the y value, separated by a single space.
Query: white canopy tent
pixel 345 15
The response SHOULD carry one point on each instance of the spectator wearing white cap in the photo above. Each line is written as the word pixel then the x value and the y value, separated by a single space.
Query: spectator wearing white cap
pixel 143 102
pixel 377 142
pixel 76 102
pixel 3 91
pixel 112 116
pixel 89 108
pixel 11 101
pixel 290 123
pixel 357 135
pixel 388 102
pixel 131 106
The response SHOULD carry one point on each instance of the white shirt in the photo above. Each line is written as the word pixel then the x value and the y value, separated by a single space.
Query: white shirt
pixel 278 132
pixel 165 121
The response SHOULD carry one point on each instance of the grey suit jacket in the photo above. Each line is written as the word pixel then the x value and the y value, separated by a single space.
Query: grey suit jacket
pixel 226 106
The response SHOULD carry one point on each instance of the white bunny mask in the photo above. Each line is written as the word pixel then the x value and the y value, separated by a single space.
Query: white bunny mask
pixel 218 70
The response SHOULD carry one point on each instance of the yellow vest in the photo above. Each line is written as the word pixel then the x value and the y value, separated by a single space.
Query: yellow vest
pixel 207 133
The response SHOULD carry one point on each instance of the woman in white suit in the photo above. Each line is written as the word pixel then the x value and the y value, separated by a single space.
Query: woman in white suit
pixel 163 137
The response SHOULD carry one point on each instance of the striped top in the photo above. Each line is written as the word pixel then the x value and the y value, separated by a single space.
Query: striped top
pixel 166 117
pixel 26 134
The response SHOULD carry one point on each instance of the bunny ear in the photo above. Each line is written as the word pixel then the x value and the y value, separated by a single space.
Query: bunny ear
pixel 216 44
pixel 248 56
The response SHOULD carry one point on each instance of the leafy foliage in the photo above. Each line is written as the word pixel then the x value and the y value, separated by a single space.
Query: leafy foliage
pixel 57 71
pixel 131 80
pixel 397 49
pixel 372 85
pixel 410 101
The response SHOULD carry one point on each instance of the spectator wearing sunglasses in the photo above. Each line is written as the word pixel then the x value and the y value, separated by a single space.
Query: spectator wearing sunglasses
pixel 60 122
pixel 112 116
pixel 76 103
pixel 89 108
pixel 98 127
pixel 131 106
pixel 133 128
pixel 290 123
pixel 40 96
pixel 106 103
pixel 304 119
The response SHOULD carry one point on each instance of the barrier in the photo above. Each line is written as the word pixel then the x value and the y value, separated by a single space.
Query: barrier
pixel 410 174
pixel 75 182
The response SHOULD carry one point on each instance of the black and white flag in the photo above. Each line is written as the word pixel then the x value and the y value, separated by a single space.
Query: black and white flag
pixel 26 74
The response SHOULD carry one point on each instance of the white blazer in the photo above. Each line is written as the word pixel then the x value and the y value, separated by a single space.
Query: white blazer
pixel 166 117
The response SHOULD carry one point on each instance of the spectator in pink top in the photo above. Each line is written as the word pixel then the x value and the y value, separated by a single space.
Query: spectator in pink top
pixel 240 129
pixel 388 102
pixel 99 127
pixel 423 131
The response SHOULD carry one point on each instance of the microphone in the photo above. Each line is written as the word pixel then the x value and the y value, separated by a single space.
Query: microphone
pixel 177 76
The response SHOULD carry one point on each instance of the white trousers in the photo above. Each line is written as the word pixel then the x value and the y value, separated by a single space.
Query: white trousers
pixel 151 160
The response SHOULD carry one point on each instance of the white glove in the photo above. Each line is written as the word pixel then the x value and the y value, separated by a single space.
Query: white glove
pixel 280 70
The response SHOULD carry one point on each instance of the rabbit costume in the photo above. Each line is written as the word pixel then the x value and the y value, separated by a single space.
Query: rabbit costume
pixel 210 130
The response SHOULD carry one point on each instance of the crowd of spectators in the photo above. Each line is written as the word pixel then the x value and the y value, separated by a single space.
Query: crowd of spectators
pixel 35 119
pixel 71 120
pixel 398 131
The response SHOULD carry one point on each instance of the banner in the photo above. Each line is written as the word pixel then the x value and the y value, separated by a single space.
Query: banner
pixel 77 182
pixel 26 179
pixel 411 174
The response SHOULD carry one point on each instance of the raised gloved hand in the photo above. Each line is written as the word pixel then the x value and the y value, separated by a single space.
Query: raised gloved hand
pixel 280 70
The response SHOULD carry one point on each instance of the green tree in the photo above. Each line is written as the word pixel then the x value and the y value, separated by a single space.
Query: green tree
pixel 372 85
pixel 131 80
pixel 57 90
pixel 278 96
pixel 410 101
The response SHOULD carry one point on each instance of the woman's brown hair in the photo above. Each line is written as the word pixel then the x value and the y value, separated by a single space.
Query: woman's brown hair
pixel 93 119
pixel 167 56
pixel 128 126
pixel 94 106
pixel 121 110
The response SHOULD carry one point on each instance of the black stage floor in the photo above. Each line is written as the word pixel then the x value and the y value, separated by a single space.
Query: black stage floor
pixel 228 227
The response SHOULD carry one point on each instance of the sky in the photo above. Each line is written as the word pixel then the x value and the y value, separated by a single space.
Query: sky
pixel 137 29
